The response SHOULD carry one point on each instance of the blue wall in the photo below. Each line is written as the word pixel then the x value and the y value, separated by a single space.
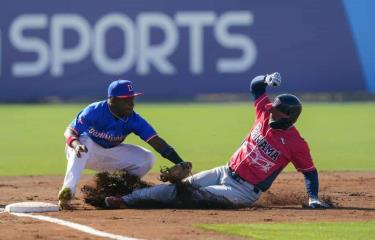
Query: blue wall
pixel 179 49
pixel 362 21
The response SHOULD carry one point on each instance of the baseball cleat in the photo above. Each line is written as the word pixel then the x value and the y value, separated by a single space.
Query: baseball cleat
pixel 65 195
pixel 64 205
pixel 114 202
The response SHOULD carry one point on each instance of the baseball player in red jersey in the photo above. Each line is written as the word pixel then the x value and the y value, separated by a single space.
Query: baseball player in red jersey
pixel 272 143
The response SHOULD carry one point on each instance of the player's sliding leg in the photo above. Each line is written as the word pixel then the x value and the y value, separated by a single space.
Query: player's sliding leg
pixel 164 193
pixel 206 178
pixel 237 191
pixel 218 187
pixel 205 187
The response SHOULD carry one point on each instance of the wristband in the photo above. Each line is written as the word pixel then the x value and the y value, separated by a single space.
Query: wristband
pixel 70 139
pixel 170 154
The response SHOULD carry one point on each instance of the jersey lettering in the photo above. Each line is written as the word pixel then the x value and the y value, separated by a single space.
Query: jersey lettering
pixel 257 160
pixel 106 136
pixel 263 144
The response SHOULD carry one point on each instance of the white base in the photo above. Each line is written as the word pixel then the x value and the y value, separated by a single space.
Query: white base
pixel 31 207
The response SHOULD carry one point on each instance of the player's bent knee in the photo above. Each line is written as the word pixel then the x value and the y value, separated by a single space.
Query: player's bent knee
pixel 149 160
pixel 146 164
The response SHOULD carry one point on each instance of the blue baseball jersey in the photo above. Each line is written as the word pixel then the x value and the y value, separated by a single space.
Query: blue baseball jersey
pixel 97 121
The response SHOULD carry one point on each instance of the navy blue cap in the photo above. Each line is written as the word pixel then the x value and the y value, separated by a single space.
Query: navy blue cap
pixel 122 89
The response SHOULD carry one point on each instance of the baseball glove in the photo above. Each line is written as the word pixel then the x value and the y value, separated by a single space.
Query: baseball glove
pixel 175 173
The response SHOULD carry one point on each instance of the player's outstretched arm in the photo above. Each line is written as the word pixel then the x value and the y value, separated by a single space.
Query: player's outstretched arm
pixel 165 149
pixel 258 84
pixel 312 187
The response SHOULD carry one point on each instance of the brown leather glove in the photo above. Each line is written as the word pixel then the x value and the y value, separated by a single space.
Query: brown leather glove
pixel 175 173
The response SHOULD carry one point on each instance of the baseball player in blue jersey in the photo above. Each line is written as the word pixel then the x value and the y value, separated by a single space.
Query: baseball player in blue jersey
pixel 94 139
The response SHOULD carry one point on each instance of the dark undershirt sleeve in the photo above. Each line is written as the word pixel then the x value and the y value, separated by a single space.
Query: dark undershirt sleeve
pixel 258 86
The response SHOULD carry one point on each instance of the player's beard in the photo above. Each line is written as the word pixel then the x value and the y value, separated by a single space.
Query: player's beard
pixel 128 112
pixel 124 112
pixel 120 112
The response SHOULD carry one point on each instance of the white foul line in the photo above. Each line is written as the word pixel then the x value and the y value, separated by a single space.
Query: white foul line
pixel 76 226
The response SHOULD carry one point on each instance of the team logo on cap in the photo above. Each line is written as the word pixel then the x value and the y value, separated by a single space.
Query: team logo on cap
pixel 130 87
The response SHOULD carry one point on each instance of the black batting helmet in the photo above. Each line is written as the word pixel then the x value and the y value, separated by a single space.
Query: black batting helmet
pixel 288 104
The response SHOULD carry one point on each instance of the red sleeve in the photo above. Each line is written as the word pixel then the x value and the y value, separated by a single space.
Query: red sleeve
pixel 260 105
pixel 301 158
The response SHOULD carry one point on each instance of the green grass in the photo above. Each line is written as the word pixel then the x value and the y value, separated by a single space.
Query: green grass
pixel 300 231
pixel 340 135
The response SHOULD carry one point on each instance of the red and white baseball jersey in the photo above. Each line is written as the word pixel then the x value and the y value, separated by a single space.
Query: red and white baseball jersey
pixel 266 151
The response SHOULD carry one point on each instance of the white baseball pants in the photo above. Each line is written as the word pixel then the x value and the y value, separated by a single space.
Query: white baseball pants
pixel 135 159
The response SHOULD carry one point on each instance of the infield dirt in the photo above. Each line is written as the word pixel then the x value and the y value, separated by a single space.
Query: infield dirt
pixel 353 194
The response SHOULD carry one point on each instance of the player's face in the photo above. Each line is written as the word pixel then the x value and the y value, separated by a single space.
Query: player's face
pixel 276 115
pixel 124 106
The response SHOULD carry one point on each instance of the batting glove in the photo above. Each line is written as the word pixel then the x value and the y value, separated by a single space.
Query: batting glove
pixel 315 203
pixel 273 79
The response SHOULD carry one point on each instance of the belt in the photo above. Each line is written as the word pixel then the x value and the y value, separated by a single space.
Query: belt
pixel 239 179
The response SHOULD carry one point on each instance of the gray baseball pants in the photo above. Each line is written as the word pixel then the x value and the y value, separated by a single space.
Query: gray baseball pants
pixel 217 181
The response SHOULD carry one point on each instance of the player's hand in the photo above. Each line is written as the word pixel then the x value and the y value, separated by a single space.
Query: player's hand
pixel 316 203
pixel 273 79
pixel 79 148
